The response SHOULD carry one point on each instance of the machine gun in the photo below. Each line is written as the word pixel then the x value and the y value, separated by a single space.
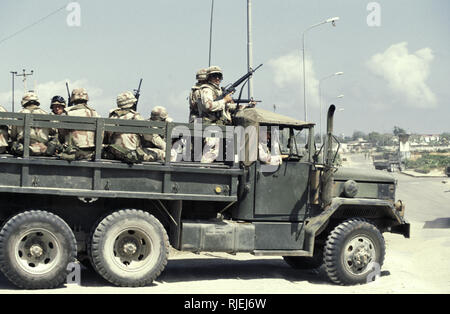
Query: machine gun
pixel 137 94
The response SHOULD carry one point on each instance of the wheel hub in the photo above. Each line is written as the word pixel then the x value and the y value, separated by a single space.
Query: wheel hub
pixel 361 257
pixel 36 251
pixel 129 248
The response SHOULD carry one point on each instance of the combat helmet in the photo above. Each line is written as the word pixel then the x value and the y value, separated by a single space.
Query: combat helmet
pixel 58 100
pixel 126 100
pixel 30 98
pixel 201 75
pixel 214 70
pixel 79 95
pixel 159 113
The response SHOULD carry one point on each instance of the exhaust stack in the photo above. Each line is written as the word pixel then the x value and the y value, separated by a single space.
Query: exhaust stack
pixel 328 172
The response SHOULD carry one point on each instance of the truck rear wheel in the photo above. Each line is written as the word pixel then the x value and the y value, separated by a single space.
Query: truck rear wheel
pixel 129 248
pixel 35 249
pixel 351 248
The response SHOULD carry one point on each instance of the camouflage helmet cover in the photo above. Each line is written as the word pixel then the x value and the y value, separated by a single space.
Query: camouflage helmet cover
pixel 79 94
pixel 30 97
pixel 201 75
pixel 126 100
pixel 213 69
pixel 159 113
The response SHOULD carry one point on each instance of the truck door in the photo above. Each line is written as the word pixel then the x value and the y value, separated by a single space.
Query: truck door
pixel 282 193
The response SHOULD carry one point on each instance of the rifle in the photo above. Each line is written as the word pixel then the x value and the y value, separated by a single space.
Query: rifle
pixel 69 102
pixel 244 101
pixel 137 94
pixel 232 88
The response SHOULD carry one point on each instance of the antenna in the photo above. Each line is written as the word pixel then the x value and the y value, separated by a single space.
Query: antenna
pixel 249 48
pixel 210 32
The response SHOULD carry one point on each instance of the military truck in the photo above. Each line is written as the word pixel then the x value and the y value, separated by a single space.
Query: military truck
pixel 387 161
pixel 122 218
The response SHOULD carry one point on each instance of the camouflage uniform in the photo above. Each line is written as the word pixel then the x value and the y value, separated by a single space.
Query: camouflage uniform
pixel 56 136
pixel 4 135
pixel 155 143
pixel 195 95
pixel 126 146
pixel 213 111
pixel 39 137
pixel 79 144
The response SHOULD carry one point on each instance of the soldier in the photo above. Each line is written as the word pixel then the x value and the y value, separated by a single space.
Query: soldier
pixel 155 143
pixel 265 156
pixel 214 111
pixel 126 146
pixel 4 135
pixel 39 137
pixel 58 105
pixel 79 144
pixel 195 95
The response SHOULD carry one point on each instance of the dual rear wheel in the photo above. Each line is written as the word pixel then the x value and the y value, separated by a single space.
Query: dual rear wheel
pixel 127 248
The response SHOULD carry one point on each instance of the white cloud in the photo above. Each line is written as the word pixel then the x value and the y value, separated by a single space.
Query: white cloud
pixel 406 73
pixel 288 74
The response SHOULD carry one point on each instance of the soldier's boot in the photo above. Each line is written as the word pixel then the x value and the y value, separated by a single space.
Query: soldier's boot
pixel 123 154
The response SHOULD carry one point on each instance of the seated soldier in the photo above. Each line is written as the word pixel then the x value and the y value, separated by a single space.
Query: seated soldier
pixel 126 146
pixel 4 135
pixel 155 143
pixel 265 156
pixel 79 144
pixel 39 137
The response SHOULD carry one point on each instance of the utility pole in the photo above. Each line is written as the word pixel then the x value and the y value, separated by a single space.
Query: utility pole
pixel 24 80
pixel 249 47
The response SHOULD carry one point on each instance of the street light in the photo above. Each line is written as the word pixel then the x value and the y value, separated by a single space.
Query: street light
pixel 320 99
pixel 333 22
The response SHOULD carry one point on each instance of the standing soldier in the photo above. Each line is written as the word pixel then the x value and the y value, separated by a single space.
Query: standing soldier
pixel 195 95
pixel 39 137
pixel 4 136
pixel 155 143
pixel 126 146
pixel 214 110
pixel 79 144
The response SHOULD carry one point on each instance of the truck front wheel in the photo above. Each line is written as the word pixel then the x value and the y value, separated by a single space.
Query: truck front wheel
pixel 35 250
pixel 129 248
pixel 353 249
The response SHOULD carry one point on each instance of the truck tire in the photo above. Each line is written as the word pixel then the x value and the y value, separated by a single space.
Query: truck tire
pixel 351 250
pixel 129 248
pixel 35 250
pixel 303 262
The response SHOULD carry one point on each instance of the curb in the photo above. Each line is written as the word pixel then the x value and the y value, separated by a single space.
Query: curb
pixel 422 175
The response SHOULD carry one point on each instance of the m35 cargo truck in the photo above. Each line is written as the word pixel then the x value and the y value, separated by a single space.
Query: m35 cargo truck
pixel 123 218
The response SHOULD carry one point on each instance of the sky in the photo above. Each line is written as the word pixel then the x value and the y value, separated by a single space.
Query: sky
pixel 394 56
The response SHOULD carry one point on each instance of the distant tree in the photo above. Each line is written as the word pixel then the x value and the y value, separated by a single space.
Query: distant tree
pixel 375 138
pixel 398 130
pixel 358 134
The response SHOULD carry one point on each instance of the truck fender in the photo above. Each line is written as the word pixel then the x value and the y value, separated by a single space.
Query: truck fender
pixel 360 208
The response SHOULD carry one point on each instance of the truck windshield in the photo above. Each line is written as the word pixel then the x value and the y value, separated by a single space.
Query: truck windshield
pixel 293 141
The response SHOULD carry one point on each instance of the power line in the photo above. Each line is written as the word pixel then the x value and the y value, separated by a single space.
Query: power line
pixel 31 25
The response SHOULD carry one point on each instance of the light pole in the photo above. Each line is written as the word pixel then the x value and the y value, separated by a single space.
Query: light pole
pixel 13 73
pixel 333 22
pixel 320 99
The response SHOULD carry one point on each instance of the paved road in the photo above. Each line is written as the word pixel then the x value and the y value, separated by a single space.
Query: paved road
pixel 416 265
